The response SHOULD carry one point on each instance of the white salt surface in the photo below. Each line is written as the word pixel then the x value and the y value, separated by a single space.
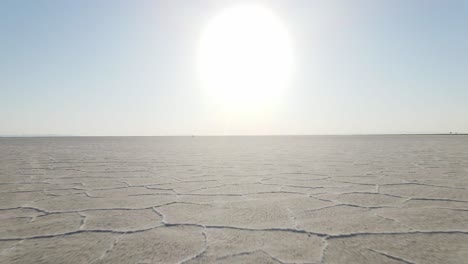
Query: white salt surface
pixel 317 199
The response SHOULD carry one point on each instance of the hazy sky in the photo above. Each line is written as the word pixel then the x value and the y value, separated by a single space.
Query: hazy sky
pixel 129 68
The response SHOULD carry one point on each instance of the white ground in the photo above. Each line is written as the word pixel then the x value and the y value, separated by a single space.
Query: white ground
pixel 367 199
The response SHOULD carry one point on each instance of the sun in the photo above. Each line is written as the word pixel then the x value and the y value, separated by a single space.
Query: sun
pixel 245 58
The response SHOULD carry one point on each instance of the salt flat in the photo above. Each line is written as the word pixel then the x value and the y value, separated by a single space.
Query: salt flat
pixel 317 199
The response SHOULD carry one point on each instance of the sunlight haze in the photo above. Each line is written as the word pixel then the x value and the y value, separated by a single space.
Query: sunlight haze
pixel 233 67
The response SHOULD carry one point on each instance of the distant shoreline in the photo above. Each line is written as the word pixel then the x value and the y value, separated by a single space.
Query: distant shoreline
pixel 318 135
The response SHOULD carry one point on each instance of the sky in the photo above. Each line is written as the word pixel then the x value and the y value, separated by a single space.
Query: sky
pixel 123 68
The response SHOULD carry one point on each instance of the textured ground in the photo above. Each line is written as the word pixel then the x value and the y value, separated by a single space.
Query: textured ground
pixel 367 199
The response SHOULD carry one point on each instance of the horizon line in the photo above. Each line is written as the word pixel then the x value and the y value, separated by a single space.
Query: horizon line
pixel 236 135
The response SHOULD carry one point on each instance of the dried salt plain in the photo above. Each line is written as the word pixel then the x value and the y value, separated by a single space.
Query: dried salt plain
pixel 317 199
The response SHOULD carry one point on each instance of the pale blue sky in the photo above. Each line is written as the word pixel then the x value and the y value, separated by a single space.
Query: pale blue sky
pixel 129 68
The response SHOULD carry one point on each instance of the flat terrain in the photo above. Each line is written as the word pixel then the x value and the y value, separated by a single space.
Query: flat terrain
pixel 318 199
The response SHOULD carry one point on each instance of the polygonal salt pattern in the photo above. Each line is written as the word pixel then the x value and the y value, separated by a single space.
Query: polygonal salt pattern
pixel 336 199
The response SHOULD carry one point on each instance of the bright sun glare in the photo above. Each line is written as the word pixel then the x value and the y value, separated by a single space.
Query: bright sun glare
pixel 245 58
